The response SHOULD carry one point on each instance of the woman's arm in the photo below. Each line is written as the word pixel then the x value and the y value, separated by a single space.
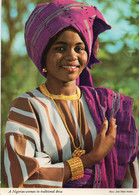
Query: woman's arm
pixel 26 165
pixel 102 146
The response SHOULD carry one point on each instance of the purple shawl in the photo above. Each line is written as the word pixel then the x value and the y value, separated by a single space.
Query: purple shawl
pixel 105 104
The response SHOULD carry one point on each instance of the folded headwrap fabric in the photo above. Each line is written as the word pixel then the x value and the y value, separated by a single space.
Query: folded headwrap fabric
pixel 50 18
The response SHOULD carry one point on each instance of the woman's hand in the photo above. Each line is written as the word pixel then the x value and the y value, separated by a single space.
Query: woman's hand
pixel 104 142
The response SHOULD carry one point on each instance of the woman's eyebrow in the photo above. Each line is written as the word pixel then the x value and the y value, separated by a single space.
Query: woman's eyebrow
pixel 80 43
pixel 60 42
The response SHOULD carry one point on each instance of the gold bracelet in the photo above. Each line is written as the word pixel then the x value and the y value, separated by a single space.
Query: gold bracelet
pixel 77 169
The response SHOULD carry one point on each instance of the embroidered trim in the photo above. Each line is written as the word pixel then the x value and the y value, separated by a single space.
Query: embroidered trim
pixel 45 92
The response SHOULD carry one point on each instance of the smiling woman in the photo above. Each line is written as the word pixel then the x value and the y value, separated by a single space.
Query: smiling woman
pixel 66 133
pixel 69 61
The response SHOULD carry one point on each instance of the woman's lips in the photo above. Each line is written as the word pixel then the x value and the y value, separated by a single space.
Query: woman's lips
pixel 70 68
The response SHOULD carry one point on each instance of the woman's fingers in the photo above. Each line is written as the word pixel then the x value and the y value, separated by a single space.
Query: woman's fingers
pixel 111 135
pixel 104 127
pixel 112 127
pixel 104 142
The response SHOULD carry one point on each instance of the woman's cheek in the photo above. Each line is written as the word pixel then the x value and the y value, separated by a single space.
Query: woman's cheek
pixel 84 58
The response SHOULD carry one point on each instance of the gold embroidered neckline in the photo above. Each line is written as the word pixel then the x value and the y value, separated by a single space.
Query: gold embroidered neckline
pixel 45 92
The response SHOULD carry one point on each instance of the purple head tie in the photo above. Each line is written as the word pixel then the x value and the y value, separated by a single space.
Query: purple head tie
pixel 48 19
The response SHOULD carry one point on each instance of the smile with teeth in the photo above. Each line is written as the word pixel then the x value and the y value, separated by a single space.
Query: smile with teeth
pixel 73 67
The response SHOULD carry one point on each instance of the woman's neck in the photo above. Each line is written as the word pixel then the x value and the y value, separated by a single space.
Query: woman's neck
pixel 61 88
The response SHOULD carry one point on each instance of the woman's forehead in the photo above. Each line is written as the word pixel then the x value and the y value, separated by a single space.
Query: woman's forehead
pixel 69 36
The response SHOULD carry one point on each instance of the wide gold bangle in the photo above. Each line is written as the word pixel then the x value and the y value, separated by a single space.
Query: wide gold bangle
pixel 76 166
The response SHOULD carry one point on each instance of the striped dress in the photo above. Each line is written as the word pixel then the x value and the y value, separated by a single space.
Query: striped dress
pixel 37 142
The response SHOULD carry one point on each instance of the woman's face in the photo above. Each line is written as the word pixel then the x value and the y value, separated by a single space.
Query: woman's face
pixel 66 58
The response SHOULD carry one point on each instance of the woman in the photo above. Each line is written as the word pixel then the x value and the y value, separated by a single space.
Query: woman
pixel 63 134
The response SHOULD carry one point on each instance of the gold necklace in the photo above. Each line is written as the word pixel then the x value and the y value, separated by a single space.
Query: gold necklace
pixel 78 151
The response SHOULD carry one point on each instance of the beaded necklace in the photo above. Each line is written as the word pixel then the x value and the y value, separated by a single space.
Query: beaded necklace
pixel 78 151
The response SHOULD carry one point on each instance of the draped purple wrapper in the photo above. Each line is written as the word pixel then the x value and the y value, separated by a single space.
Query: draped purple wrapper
pixel 109 173
pixel 105 104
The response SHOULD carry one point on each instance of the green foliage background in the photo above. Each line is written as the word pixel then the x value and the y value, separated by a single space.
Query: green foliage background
pixel 119 53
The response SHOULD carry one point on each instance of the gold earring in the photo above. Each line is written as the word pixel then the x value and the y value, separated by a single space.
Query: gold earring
pixel 44 70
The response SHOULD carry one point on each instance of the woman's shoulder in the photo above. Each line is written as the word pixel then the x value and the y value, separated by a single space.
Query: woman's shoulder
pixel 103 92
pixel 108 99
pixel 109 103
pixel 99 90
pixel 25 97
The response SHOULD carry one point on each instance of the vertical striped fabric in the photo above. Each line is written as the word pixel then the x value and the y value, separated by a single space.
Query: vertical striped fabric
pixel 37 142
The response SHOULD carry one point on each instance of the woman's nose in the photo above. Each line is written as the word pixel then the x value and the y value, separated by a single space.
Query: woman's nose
pixel 71 55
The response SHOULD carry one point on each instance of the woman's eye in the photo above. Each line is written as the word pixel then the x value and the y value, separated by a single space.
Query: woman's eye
pixel 79 49
pixel 59 48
